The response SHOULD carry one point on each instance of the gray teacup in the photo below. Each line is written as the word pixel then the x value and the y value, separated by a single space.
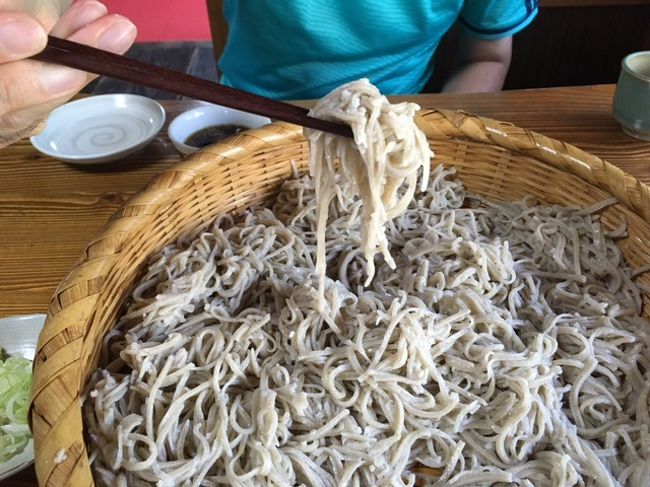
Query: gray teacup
pixel 632 98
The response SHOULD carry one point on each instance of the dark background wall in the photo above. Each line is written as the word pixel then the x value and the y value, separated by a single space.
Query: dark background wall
pixel 569 43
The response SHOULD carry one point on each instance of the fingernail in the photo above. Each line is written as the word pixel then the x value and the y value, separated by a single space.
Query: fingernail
pixel 88 12
pixel 118 37
pixel 57 80
pixel 21 37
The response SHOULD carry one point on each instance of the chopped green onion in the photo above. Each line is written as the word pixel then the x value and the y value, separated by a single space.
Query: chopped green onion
pixel 15 381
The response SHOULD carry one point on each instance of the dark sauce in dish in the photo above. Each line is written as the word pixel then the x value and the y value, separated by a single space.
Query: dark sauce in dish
pixel 215 133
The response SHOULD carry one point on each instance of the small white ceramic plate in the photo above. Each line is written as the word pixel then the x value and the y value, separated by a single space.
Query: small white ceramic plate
pixel 100 128
pixel 208 115
pixel 18 336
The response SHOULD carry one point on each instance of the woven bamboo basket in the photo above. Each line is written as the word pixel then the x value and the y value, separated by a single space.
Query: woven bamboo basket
pixel 494 159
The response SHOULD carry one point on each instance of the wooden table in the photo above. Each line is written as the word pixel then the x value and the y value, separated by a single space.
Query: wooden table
pixel 49 210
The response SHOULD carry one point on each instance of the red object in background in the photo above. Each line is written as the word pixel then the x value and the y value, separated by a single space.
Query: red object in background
pixel 168 20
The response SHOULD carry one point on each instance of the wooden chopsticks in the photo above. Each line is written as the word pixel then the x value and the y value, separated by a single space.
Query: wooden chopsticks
pixel 96 61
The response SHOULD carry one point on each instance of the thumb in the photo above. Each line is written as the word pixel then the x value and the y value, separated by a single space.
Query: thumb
pixel 21 36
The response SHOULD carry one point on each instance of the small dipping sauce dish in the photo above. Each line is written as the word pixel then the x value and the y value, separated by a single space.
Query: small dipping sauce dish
pixel 207 124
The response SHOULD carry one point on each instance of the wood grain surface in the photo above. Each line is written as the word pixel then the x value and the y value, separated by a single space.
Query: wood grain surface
pixel 50 210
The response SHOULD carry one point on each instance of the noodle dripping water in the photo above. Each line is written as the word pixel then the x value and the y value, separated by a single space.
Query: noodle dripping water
pixel 501 344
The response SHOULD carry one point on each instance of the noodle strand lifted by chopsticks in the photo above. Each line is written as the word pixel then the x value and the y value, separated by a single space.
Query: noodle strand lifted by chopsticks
pixel 388 151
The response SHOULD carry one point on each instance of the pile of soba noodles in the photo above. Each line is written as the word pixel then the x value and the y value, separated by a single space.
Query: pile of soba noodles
pixel 495 344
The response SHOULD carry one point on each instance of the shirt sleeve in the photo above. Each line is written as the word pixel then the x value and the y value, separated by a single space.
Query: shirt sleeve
pixel 495 19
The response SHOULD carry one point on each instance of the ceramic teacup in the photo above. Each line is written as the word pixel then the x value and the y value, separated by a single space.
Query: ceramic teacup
pixel 632 98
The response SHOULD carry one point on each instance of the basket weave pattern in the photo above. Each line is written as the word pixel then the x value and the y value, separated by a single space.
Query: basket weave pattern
pixel 494 159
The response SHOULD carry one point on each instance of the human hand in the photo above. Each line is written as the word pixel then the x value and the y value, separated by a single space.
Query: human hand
pixel 29 89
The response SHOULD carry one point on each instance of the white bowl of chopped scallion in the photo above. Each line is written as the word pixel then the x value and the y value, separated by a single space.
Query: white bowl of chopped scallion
pixel 18 337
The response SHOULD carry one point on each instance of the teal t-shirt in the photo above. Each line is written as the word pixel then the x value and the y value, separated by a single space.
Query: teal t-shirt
pixel 296 49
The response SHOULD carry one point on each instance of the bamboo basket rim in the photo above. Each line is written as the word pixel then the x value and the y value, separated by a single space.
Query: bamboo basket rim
pixel 75 298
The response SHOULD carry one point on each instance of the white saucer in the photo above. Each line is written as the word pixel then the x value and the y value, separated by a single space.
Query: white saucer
pixel 100 128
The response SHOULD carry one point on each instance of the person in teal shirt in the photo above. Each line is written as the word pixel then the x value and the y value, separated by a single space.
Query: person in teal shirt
pixel 297 49
pixel 285 49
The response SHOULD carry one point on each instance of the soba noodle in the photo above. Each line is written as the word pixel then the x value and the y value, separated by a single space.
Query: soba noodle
pixel 388 151
pixel 504 347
